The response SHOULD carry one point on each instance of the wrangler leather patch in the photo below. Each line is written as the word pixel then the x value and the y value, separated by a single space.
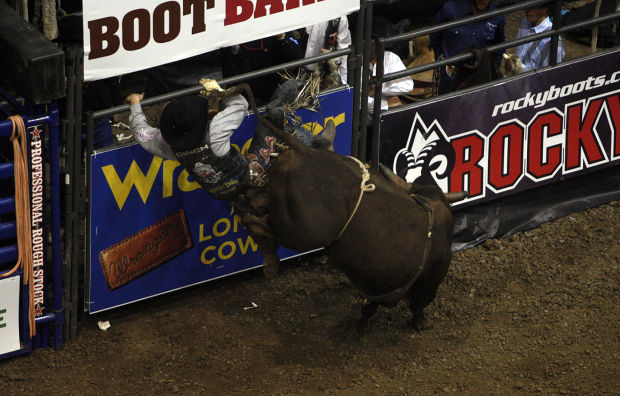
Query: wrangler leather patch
pixel 145 250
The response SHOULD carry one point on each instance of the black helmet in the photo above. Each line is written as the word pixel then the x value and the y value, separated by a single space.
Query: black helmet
pixel 183 122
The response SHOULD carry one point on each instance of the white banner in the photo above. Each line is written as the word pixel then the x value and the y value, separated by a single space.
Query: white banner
pixel 123 36
pixel 9 314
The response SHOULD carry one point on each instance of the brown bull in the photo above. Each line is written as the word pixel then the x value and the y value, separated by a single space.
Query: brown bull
pixel 392 240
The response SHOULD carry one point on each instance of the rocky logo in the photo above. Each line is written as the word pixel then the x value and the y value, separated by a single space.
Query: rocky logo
pixel 428 157
pixel 515 154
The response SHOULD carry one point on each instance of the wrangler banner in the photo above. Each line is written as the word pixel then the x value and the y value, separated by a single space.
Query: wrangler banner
pixel 154 32
pixel 522 133
pixel 154 230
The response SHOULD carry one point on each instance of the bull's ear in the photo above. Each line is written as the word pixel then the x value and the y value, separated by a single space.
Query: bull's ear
pixel 326 138
pixel 393 177
pixel 329 133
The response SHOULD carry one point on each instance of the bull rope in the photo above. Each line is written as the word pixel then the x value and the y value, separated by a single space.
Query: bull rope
pixel 22 213
pixel 363 188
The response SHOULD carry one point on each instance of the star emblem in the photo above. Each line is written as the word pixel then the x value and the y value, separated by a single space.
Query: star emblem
pixel 36 133
pixel 38 311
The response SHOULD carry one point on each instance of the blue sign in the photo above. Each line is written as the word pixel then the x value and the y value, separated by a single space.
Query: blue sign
pixel 154 230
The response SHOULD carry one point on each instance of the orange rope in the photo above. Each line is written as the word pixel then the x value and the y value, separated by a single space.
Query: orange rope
pixel 22 212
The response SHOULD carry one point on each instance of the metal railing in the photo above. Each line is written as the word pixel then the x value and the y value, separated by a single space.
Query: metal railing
pixel 382 42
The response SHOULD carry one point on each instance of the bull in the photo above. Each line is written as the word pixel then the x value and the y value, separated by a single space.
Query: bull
pixel 391 239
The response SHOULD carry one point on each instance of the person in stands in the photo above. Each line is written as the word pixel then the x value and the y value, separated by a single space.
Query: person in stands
pixel 392 63
pixel 329 36
pixel 454 41
pixel 536 54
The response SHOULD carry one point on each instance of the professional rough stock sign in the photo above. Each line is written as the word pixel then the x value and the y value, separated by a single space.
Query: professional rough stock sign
pixel 124 36
pixel 513 136
pixel 37 207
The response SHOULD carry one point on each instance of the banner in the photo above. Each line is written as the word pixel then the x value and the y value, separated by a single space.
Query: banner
pixel 522 133
pixel 125 36
pixel 37 212
pixel 9 314
pixel 154 230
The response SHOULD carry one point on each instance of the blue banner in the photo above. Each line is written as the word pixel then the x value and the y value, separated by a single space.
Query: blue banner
pixel 147 209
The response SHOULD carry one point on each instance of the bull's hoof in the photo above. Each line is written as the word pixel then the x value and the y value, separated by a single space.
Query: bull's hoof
pixel 419 322
pixel 270 271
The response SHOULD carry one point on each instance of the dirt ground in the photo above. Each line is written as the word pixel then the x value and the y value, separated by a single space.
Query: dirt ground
pixel 536 313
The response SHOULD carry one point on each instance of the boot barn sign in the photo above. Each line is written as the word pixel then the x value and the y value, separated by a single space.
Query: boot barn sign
pixel 123 36
pixel 516 135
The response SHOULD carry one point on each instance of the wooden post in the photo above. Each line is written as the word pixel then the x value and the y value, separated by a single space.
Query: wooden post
pixel 597 9
pixel 48 15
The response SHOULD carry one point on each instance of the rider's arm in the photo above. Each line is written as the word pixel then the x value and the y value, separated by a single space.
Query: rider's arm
pixel 148 137
pixel 224 123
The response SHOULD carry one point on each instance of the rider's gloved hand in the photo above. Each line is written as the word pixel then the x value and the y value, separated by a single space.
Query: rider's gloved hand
pixel 210 86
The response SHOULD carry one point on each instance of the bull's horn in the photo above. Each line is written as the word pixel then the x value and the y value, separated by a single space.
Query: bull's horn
pixel 393 177
pixel 452 197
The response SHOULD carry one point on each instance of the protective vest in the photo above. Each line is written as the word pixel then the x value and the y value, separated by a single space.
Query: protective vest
pixel 223 177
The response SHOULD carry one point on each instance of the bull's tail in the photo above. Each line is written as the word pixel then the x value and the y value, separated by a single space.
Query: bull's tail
pixel 280 133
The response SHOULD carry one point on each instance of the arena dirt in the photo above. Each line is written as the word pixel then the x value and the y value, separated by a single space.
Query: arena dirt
pixel 536 313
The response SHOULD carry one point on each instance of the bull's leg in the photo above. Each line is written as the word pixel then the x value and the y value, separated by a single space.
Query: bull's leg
pixel 424 290
pixel 259 231
pixel 368 309
pixel 418 322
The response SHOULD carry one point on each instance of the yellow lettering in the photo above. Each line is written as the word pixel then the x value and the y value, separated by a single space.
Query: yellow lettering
pixel 203 238
pixel 134 177
pixel 236 222
pixel 186 185
pixel 313 127
pixel 317 128
pixel 224 221
pixel 248 242
pixel 339 119
pixel 203 255
pixel 169 167
pixel 220 251
pixel 246 147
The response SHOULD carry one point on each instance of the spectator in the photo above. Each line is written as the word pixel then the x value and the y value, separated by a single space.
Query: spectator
pixel 259 54
pixel 392 63
pixel 454 41
pixel 423 82
pixel 535 54
pixel 329 36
